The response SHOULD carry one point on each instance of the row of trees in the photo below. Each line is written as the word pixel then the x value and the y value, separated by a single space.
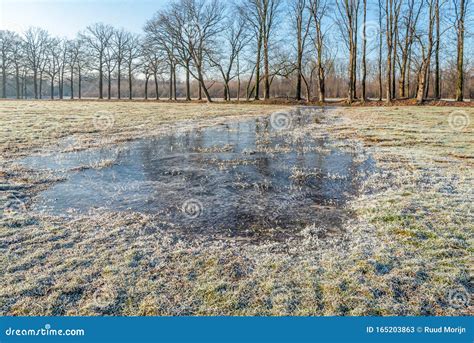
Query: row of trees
pixel 388 48
pixel 38 57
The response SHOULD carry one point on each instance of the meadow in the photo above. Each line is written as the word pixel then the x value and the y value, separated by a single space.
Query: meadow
pixel 405 249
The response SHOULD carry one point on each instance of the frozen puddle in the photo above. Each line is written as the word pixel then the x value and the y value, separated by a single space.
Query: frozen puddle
pixel 255 177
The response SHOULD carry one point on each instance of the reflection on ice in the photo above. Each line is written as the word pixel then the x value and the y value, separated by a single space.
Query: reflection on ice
pixel 240 178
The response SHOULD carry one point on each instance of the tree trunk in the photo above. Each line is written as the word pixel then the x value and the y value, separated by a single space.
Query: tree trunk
pixel 394 62
pixel 35 82
pixel 109 86
pixel 428 82
pixel 238 78
pixel 422 82
pixel 203 86
pixel 146 87
pixel 79 84
pixel 101 96
pixel 266 67
pixel 175 93
pixel 41 85
pixel 380 53
pixel 248 91
pixel 308 90
pixel 350 93
pixel 426 60
pixel 72 84
pixel 437 91
pixel 321 85
pixel 188 83
pixel 403 71
pixel 257 68
pixel 61 84
pixel 408 77
pixel 119 76
pixel 354 60
pixel 52 88
pixel 17 79
pixel 460 54
pixel 225 91
pixel 206 93
pixel 4 75
pixel 130 86
pixel 364 49
pixel 389 21
pixel 157 93
pixel 299 64
pixel 171 82
pixel 394 29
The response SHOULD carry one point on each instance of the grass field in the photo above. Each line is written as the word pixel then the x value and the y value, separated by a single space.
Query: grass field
pixel 408 250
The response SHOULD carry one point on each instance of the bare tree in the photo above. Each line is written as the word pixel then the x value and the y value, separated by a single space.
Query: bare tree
pixel 348 14
pixel 73 52
pixel 62 65
pixel 24 75
pixel 301 25
pixel 160 37
pixel 69 63
pixel 262 14
pixel 36 40
pixel 234 40
pixel 268 16
pixel 411 12
pixel 132 53
pixel 437 90
pixel 98 38
pixel 7 41
pixel 81 59
pixel 147 72
pixel 195 24
pixel 395 29
pixel 53 61
pixel 379 62
pixel 318 9
pixel 460 9
pixel 392 12
pixel 155 62
pixel 110 62
pixel 18 59
pixel 120 41
pixel 426 43
pixel 41 72
pixel 249 9
pixel 364 53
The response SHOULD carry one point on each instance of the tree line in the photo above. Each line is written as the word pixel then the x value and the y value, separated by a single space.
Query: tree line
pixel 241 49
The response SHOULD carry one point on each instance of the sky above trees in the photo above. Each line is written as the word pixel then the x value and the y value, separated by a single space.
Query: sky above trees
pixel 67 17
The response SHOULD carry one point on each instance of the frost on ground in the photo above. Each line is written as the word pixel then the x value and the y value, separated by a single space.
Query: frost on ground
pixel 407 251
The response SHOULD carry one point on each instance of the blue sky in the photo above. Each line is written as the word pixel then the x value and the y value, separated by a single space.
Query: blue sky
pixel 67 17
